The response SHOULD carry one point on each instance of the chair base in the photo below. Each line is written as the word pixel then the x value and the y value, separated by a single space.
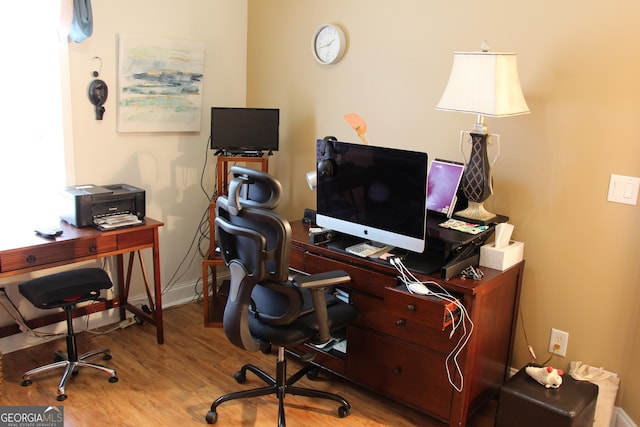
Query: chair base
pixel 70 368
pixel 279 386
pixel 70 360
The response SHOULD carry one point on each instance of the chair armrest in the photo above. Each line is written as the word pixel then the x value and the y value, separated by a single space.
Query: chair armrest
pixel 321 280
pixel 317 283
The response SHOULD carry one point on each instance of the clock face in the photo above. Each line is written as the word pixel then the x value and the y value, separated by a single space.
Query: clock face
pixel 328 44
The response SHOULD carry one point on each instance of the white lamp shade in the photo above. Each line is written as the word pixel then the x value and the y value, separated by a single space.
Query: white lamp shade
pixel 485 83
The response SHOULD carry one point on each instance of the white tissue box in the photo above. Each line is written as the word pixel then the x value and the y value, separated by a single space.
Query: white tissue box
pixel 501 258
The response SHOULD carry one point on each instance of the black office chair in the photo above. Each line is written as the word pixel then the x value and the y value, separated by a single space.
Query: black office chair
pixel 65 290
pixel 268 305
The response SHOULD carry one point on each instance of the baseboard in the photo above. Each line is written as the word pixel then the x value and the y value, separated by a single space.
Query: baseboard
pixel 621 419
pixel 177 295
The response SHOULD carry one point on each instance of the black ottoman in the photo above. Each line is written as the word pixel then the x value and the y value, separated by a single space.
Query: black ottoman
pixel 523 402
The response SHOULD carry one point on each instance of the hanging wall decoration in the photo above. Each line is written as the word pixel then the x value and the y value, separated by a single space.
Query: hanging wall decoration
pixel 159 84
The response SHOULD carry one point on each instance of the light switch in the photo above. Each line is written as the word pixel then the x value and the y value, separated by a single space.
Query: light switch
pixel 623 189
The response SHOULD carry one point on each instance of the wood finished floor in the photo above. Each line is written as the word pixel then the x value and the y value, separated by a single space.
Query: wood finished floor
pixel 174 384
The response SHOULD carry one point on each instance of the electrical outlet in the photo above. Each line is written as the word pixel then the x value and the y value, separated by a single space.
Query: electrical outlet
pixel 558 342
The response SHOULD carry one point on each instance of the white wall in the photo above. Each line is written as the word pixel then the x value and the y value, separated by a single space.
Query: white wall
pixel 168 166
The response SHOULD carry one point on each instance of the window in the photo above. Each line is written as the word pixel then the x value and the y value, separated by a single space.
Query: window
pixel 32 160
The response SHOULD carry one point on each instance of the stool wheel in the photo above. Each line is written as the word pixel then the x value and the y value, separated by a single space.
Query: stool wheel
pixel 107 357
pixel 212 417
pixel 113 379
pixel 61 397
pixel 26 383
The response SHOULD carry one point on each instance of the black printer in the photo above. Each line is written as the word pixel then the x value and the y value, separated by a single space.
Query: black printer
pixel 85 205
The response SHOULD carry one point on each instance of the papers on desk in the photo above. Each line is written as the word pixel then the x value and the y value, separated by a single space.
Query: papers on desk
pixel 465 227
pixel 116 221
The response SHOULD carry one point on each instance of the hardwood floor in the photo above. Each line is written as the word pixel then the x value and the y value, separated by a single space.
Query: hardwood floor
pixel 174 384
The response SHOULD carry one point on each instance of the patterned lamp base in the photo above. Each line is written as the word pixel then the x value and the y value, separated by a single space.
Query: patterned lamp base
pixel 476 181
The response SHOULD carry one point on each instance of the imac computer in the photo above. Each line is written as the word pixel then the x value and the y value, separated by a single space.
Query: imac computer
pixel 244 131
pixel 376 194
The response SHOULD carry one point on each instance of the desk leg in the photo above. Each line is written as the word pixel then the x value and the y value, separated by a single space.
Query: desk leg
pixel 154 316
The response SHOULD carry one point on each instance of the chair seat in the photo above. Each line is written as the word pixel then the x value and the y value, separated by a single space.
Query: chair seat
pixel 65 288
pixel 303 328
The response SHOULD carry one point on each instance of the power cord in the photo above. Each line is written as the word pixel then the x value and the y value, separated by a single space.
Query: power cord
pixel 556 347
pixel 415 286
pixel 19 319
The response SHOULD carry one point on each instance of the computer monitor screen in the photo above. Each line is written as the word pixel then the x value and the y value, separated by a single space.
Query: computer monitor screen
pixel 244 130
pixel 374 193
pixel 444 180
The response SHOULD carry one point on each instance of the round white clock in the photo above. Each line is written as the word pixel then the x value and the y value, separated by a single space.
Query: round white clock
pixel 328 44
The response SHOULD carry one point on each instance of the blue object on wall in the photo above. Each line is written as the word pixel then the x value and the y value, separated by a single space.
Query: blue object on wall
pixel 82 22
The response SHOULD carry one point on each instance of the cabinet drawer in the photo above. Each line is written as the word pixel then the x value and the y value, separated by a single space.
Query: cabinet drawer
pixel 415 376
pixel 143 237
pixel 429 311
pixel 296 260
pixel 369 281
pixel 372 315
pixel 52 253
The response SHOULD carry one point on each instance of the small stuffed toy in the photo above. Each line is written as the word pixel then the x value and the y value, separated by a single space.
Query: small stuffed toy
pixel 547 376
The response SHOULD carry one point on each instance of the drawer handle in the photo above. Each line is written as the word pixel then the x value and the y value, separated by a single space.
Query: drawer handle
pixel 31 259
pixel 397 370
pixel 400 323
pixel 411 308
pixel 93 247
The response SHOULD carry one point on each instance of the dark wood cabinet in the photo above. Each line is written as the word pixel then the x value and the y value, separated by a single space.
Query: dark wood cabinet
pixel 400 343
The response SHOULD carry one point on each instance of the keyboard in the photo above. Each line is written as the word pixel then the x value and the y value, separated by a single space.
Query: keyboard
pixel 116 221
pixel 366 249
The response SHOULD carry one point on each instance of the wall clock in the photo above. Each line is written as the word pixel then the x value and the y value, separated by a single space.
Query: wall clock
pixel 328 44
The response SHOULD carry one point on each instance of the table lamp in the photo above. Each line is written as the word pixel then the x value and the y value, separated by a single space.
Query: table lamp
pixel 486 84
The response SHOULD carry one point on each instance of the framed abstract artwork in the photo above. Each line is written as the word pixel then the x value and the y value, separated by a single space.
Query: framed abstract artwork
pixel 159 84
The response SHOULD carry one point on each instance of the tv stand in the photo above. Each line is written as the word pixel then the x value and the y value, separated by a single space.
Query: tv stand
pixel 242 154
pixel 399 343
pixel 214 303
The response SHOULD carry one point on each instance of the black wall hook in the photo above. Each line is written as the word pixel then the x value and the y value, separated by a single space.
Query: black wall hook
pixel 98 92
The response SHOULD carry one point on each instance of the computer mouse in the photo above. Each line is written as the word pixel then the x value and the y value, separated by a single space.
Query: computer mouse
pixel 418 288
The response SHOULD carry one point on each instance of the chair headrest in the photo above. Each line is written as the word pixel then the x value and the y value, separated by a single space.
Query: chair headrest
pixel 252 188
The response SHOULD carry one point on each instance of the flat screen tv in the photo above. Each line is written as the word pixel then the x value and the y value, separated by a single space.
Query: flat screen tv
pixel 374 193
pixel 244 131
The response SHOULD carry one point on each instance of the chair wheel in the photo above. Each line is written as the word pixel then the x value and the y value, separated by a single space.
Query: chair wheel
pixel 343 411
pixel 265 348
pixel 61 397
pixel 211 417
pixel 113 379
pixel 26 383
pixel 58 358
pixel 313 374
pixel 240 377
pixel 107 357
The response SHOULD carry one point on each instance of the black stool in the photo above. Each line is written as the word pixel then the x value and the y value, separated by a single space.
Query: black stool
pixel 523 402
pixel 65 290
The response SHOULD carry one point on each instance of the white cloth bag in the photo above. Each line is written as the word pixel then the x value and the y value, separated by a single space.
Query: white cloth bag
pixel 607 383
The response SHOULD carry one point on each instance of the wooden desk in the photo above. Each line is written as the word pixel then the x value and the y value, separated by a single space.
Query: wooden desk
pixel 396 348
pixel 21 251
